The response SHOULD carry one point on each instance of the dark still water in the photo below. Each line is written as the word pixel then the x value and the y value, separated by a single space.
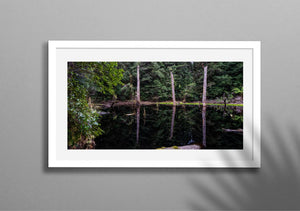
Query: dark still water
pixel 168 127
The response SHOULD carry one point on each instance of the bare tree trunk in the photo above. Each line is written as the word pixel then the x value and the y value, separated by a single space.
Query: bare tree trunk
pixel 204 126
pixel 172 123
pixel 138 98
pixel 204 86
pixel 90 102
pixel 173 89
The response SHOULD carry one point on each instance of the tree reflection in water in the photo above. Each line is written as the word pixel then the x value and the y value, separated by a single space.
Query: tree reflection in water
pixel 170 126
pixel 204 126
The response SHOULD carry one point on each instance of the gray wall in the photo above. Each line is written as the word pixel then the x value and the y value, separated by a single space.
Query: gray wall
pixel 27 183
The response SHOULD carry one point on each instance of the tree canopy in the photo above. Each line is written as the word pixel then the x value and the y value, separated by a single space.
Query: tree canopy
pixel 223 77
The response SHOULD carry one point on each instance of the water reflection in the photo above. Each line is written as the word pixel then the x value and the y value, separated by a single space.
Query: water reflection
pixel 162 126
pixel 172 123
pixel 138 123
pixel 204 126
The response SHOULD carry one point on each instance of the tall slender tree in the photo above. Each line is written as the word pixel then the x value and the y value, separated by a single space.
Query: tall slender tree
pixel 204 65
pixel 138 94
pixel 173 89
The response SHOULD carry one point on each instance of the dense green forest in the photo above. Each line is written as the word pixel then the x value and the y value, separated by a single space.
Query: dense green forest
pixel 223 78
pixel 92 83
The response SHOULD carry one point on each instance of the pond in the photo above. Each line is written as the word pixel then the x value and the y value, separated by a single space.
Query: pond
pixel 171 127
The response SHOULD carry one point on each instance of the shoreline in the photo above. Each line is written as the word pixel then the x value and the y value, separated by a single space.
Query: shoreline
pixel 169 103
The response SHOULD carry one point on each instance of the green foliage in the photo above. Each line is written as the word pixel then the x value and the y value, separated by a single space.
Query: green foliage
pixel 155 82
pixel 105 76
pixel 86 79
pixel 237 90
pixel 223 77
pixel 82 121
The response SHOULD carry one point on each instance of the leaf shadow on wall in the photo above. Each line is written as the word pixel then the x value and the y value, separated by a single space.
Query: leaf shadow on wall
pixel 273 186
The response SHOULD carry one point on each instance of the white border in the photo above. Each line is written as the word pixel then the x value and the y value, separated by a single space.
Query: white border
pixel 60 52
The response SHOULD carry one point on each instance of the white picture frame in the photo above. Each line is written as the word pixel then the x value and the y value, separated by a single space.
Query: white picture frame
pixel 60 52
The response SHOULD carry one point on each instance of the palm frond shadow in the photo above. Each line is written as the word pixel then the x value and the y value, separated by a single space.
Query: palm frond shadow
pixel 255 188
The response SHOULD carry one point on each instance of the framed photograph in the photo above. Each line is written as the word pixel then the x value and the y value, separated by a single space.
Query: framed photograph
pixel 170 104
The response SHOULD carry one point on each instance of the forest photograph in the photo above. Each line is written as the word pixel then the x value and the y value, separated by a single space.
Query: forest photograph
pixel 155 105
